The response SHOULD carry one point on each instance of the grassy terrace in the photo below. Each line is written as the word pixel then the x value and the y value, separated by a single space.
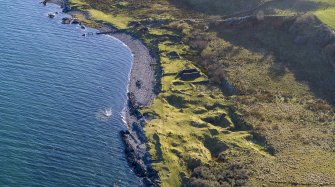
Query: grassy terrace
pixel 279 127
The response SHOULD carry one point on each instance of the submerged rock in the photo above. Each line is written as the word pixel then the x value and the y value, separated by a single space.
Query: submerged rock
pixel 51 15
pixel 66 20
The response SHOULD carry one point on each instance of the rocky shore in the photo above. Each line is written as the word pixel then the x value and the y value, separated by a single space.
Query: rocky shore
pixel 62 3
pixel 140 94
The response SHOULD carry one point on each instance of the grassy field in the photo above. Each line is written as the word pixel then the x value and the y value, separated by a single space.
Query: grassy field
pixel 120 21
pixel 327 16
pixel 277 129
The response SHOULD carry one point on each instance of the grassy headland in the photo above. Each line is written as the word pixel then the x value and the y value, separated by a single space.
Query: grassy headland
pixel 258 107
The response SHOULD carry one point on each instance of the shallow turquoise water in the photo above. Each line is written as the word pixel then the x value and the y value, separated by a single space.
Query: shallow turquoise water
pixel 53 85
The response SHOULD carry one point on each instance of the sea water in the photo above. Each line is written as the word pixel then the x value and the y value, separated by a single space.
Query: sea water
pixel 54 83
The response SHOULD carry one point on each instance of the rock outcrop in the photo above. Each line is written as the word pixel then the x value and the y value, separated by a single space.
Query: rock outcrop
pixel 189 74
pixel 309 30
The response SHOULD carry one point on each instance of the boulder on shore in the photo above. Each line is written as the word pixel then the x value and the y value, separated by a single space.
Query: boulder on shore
pixel 66 20
pixel 75 21
pixel 44 2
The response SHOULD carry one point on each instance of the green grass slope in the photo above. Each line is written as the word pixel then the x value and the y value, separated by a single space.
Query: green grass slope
pixel 261 110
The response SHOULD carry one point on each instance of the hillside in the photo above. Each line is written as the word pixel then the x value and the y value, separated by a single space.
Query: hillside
pixel 323 9
pixel 248 101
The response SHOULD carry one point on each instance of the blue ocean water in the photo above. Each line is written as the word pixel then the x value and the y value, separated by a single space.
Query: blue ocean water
pixel 54 85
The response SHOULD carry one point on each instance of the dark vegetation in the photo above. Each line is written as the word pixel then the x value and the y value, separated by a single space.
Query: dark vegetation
pixel 232 174
pixel 219 7
pixel 298 44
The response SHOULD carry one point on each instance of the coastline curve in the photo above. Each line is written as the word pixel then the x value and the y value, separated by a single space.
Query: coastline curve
pixel 140 93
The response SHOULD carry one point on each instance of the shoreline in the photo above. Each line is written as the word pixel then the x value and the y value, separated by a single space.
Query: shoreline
pixel 140 93
pixel 177 166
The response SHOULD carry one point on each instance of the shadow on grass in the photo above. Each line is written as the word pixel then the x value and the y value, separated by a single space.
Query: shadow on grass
pixel 217 7
pixel 294 6
pixel 226 7
pixel 158 148
pixel 306 61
